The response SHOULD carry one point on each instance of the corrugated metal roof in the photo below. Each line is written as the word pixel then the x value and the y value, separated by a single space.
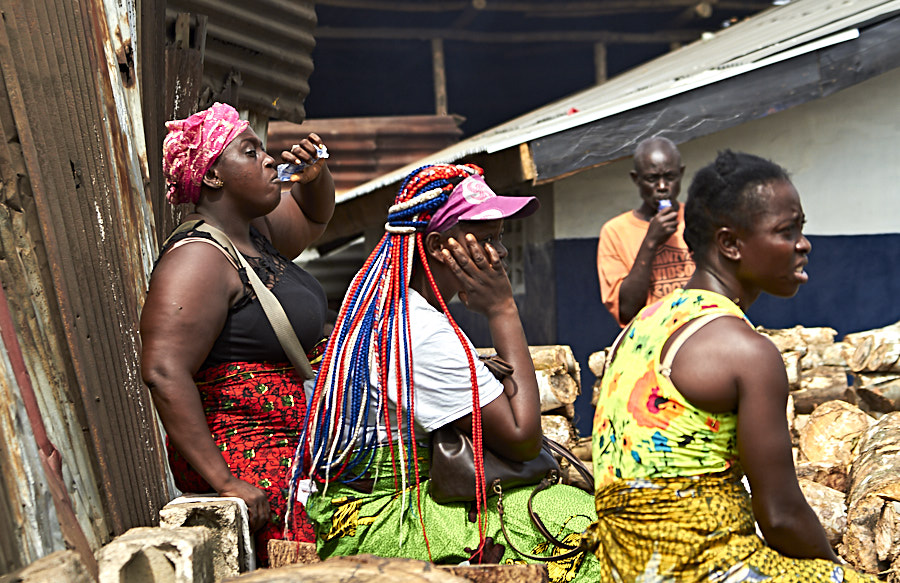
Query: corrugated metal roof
pixel 262 48
pixel 365 148
pixel 779 33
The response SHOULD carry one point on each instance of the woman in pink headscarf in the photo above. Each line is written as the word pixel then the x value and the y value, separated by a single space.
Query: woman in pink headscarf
pixel 227 395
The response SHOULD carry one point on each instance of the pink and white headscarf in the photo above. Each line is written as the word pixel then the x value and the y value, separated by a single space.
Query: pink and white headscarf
pixel 191 147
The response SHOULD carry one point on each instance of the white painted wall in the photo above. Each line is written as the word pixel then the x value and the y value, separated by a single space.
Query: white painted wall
pixel 842 151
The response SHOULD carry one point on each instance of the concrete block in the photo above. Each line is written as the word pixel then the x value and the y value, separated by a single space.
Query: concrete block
pixel 159 555
pixel 56 567
pixel 227 519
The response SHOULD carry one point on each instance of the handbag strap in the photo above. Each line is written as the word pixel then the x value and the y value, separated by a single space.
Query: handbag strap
pixel 538 523
pixel 572 551
pixel 573 460
pixel 270 304
pixel 218 247
pixel 498 367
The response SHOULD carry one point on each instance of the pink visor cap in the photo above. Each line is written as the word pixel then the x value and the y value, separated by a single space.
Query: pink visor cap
pixel 473 200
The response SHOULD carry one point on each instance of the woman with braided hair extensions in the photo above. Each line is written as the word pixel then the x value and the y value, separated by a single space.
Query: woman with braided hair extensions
pixel 694 398
pixel 229 399
pixel 394 343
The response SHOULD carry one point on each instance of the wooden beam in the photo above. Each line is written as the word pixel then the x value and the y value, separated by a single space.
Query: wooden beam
pixel 598 7
pixel 183 30
pixel 701 10
pixel 562 36
pixel 600 63
pixel 507 171
pixel 526 162
pixel 415 6
pixel 356 215
pixel 202 22
pixel 440 76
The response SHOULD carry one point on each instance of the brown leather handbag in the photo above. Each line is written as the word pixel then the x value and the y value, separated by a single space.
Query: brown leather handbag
pixel 452 477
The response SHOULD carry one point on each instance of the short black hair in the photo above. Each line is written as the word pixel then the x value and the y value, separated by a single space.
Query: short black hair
pixel 725 192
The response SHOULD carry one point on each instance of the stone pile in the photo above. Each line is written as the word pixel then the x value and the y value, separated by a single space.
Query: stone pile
pixel 559 383
pixel 196 550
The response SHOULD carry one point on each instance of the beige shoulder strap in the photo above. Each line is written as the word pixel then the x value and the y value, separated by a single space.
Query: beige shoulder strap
pixel 270 304
pixel 688 330
pixel 228 255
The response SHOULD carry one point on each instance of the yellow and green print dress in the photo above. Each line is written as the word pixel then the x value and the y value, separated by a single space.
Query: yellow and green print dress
pixel 670 501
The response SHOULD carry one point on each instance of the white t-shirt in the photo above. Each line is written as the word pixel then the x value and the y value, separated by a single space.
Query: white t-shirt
pixel 443 389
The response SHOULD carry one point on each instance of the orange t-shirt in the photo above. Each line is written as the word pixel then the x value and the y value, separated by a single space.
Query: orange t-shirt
pixel 620 240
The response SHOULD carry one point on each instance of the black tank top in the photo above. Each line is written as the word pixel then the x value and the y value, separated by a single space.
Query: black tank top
pixel 247 335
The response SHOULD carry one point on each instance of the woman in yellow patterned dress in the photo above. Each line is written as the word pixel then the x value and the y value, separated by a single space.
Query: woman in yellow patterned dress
pixel 694 399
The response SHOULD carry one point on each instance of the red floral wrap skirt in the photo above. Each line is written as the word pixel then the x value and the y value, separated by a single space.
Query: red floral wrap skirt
pixel 254 412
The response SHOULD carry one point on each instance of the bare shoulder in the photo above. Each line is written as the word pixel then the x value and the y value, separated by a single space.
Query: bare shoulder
pixel 195 267
pixel 722 357
pixel 753 359
pixel 754 351
pixel 191 291
pixel 730 338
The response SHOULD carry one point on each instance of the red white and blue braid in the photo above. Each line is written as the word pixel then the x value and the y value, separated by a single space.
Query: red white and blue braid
pixel 372 332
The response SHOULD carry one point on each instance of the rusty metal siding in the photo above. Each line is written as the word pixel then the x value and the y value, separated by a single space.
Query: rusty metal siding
pixel 78 239
pixel 21 510
pixel 25 276
pixel 257 55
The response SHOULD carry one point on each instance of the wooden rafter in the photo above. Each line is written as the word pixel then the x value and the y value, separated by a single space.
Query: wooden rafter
pixel 596 7
pixel 570 36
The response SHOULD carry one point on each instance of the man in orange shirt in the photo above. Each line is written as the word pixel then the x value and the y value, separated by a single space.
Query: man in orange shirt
pixel 642 255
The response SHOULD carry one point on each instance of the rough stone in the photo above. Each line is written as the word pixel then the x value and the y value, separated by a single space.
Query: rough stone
pixel 832 432
pixel 364 568
pixel 829 505
pixel 159 555
pixel 501 573
pixel 833 475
